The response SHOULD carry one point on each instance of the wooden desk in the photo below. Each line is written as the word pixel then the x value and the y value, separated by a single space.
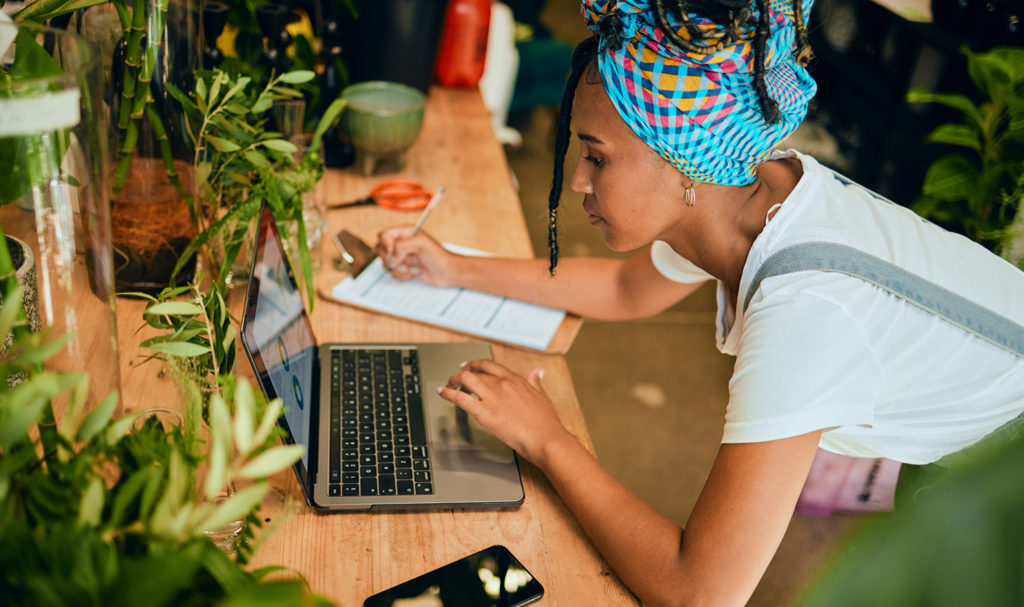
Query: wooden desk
pixel 347 557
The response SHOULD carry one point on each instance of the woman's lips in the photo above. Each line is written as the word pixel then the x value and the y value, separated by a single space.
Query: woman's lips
pixel 592 217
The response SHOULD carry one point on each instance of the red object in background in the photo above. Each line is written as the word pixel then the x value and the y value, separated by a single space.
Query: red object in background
pixel 463 48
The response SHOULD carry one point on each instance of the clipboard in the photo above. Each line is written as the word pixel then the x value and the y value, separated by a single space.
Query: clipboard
pixel 329 286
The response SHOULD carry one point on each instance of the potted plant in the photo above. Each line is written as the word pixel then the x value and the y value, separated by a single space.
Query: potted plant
pixel 977 187
pixel 94 510
pixel 145 44
pixel 238 162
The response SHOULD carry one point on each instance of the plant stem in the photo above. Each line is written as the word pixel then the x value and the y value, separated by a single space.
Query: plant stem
pixel 129 92
pixel 165 152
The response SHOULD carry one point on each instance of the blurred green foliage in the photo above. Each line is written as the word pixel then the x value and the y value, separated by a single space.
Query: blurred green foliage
pixel 978 188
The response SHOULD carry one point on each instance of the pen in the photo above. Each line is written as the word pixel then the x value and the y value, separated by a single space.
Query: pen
pixel 427 211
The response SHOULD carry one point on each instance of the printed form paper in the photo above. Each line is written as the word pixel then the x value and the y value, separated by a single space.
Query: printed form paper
pixel 490 316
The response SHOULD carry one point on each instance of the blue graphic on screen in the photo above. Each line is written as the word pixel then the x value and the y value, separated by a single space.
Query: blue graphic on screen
pixel 285 341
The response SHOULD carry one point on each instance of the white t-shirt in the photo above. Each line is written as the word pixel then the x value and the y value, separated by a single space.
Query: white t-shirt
pixel 822 350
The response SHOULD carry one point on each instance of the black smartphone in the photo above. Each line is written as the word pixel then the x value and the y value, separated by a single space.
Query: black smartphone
pixel 489 578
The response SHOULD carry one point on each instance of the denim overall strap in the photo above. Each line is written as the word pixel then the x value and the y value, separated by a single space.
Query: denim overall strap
pixel 832 257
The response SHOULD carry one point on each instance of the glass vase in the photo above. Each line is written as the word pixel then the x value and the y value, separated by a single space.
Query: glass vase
pixel 54 193
pixel 147 54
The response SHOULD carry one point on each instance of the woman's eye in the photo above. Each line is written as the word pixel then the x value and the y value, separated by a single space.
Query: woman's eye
pixel 594 160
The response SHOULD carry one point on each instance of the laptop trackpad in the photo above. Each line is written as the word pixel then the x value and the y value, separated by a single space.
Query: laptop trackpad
pixel 452 429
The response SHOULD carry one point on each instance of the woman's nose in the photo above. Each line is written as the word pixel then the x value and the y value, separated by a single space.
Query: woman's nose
pixel 580 181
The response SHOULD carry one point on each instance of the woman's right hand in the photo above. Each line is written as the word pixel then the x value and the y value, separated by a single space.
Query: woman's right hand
pixel 419 256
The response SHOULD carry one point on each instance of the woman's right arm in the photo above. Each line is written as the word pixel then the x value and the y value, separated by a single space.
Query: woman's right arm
pixel 591 287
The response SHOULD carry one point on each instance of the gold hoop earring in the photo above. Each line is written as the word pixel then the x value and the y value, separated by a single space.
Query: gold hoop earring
pixel 690 196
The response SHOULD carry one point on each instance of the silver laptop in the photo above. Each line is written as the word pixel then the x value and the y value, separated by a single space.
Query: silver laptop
pixel 376 433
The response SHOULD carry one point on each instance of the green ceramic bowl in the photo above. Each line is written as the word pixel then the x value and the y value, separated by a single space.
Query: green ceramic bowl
pixel 382 119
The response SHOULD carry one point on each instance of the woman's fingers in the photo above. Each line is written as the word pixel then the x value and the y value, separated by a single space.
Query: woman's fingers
pixel 488 367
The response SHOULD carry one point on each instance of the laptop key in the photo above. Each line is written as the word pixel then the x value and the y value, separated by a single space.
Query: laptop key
pixel 421 476
pixel 368 486
pixel 350 490
pixel 417 431
pixel 335 475
pixel 424 489
pixel 406 488
pixel 387 484
pixel 350 477
pixel 334 490
pixel 404 474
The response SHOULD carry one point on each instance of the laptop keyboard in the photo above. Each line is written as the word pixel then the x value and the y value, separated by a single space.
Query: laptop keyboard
pixel 378 438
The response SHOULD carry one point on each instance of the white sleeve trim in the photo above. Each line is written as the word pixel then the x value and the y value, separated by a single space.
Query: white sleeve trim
pixel 674 266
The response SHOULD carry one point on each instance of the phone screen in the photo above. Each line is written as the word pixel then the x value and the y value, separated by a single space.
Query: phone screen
pixel 489 578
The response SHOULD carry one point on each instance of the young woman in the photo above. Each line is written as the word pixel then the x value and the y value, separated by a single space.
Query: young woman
pixel 677 114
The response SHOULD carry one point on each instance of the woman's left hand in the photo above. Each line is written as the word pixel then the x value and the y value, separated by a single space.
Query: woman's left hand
pixel 512 407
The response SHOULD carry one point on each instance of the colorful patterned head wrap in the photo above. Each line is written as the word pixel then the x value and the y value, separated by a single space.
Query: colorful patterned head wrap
pixel 700 112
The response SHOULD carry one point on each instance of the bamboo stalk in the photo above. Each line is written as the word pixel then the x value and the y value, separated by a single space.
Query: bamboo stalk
pixel 165 152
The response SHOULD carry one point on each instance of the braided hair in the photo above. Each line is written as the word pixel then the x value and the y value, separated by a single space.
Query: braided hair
pixel 732 18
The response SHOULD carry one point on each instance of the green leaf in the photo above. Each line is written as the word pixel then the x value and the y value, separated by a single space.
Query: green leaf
pixel 297 76
pixel 119 428
pixel 238 87
pixel 280 145
pixel 222 145
pixel 216 470
pixel 262 104
pixel 9 314
pixel 957 134
pixel 235 507
pixel 958 102
pixel 330 116
pixel 43 10
pixel 181 97
pixel 14 429
pixel 256 159
pixel 950 178
pixel 98 418
pixel 270 417
pixel 272 461
pixel 32 60
pixel 174 308
pixel 125 493
pixel 91 508
pixel 211 98
pixel 181 349
pixel 245 410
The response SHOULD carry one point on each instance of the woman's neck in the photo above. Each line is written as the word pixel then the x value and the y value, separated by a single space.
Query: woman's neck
pixel 727 220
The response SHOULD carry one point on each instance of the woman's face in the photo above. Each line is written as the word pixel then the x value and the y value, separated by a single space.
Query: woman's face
pixel 631 194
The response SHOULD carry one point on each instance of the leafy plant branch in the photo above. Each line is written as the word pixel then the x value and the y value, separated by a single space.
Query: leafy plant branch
pixel 978 188
pixel 238 163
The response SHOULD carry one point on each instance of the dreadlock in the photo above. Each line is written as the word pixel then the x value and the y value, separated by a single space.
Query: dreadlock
pixel 585 52
pixel 733 17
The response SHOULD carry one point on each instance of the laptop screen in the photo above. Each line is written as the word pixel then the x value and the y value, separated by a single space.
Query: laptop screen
pixel 277 334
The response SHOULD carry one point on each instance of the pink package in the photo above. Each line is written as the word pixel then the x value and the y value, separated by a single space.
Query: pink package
pixel 848 484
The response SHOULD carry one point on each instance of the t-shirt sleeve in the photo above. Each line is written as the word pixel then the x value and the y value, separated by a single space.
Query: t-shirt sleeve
pixel 803 365
pixel 674 266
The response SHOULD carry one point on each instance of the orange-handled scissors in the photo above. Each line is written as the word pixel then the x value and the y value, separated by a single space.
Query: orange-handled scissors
pixel 398 194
